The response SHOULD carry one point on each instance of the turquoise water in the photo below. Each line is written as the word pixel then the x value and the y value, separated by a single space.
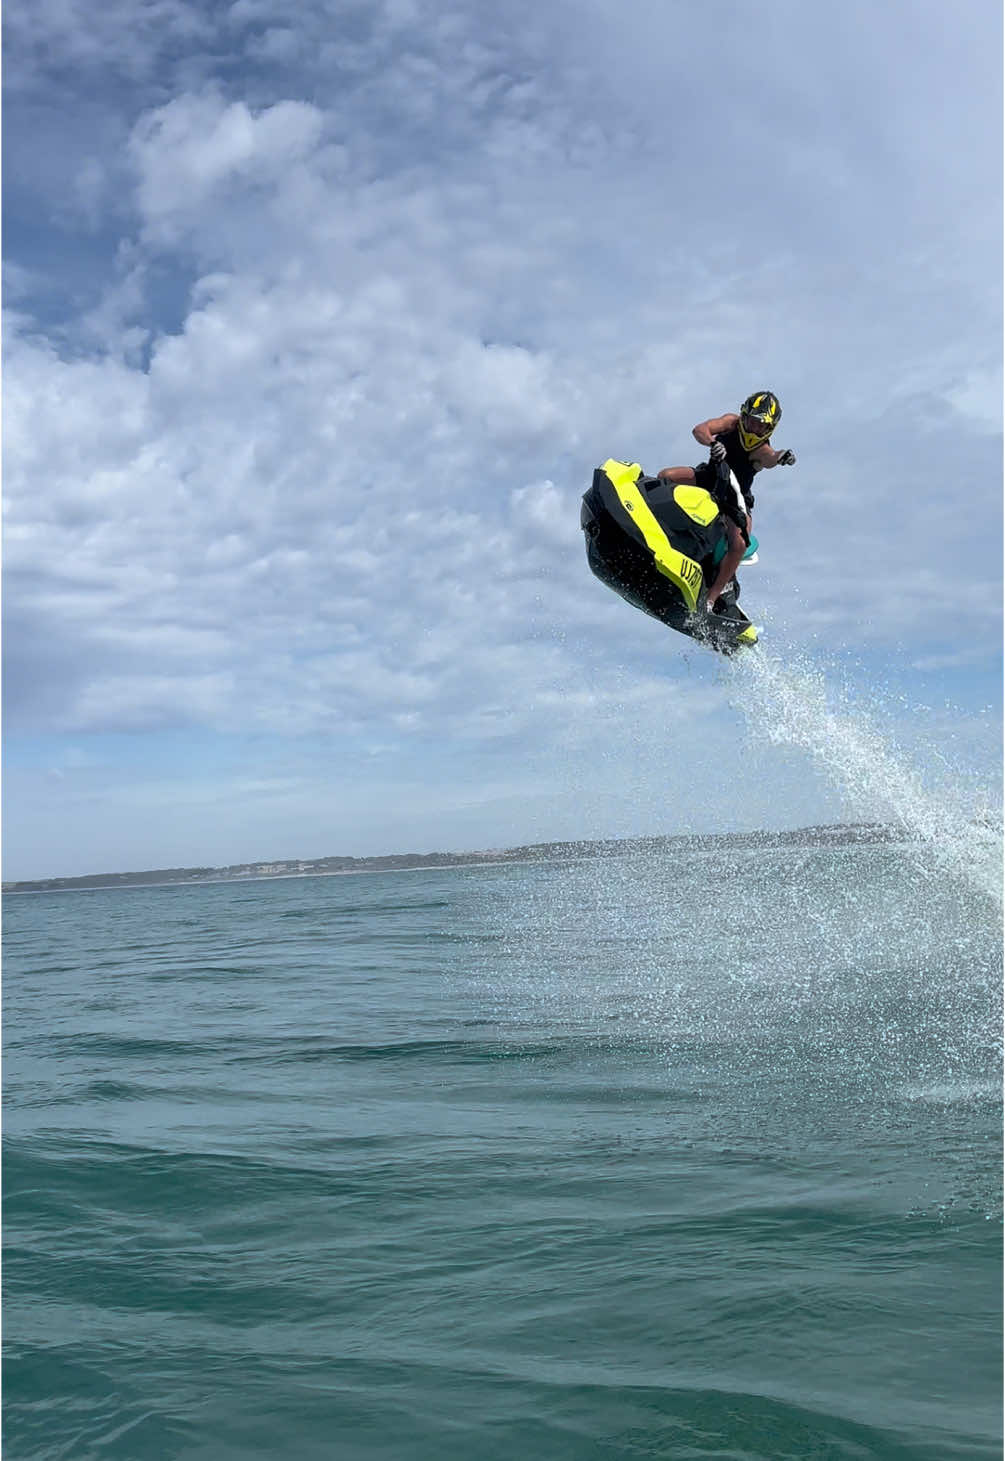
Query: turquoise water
pixel 636 1157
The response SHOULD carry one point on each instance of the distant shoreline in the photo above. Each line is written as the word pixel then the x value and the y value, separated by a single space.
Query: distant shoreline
pixel 266 870
pixel 83 885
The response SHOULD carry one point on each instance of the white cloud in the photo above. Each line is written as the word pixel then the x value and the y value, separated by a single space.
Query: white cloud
pixel 306 452
pixel 190 150
pixel 978 399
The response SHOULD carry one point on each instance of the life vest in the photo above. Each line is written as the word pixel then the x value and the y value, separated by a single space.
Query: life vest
pixel 739 462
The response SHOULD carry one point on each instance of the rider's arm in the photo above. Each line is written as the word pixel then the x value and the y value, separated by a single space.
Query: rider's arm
pixel 764 457
pixel 706 431
pixel 730 563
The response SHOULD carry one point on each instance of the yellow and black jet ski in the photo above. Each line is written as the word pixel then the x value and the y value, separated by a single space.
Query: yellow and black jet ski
pixel 657 544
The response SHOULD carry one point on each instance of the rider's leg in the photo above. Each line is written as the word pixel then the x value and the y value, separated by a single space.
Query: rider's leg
pixel 678 474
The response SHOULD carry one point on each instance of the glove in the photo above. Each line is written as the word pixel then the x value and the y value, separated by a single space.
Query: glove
pixel 717 452
pixel 786 458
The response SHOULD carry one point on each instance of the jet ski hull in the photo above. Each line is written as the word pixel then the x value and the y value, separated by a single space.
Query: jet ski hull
pixel 655 544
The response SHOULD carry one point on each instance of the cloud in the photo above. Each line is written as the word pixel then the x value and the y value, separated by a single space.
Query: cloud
pixel 342 311
pixel 978 399
pixel 195 147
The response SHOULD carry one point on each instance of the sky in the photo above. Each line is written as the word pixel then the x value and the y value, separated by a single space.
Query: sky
pixel 317 320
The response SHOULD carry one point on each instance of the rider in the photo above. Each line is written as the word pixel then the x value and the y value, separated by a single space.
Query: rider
pixel 739 442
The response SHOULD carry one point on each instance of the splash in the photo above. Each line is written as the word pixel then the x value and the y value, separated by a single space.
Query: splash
pixel 793 705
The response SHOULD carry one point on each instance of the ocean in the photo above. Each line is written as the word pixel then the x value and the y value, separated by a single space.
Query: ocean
pixel 686 1155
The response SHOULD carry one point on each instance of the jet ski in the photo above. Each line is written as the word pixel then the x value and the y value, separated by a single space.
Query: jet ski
pixel 658 544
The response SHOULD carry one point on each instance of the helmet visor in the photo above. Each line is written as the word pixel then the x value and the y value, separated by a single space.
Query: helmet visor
pixel 755 426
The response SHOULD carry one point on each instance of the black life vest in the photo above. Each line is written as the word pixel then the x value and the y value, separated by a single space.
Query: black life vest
pixel 742 467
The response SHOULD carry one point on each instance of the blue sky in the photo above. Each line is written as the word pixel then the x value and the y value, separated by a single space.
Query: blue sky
pixel 318 319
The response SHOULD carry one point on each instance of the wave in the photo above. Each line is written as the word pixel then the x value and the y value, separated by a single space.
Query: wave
pixel 952 1092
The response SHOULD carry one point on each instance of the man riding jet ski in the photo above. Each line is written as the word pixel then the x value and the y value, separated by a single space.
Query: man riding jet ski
pixel 671 544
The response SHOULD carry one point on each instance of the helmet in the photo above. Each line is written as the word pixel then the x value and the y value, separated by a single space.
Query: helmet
pixel 759 415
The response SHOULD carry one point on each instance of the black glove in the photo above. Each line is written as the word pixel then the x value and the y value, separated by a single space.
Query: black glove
pixel 717 452
pixel 786 458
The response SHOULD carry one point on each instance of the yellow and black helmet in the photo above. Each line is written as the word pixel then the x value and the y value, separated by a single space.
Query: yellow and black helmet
pixel 759 415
